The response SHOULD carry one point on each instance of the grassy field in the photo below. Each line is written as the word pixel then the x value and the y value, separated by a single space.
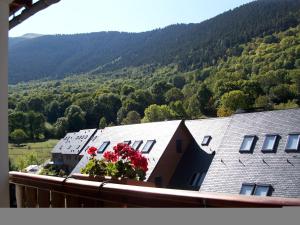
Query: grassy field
pixel 40 149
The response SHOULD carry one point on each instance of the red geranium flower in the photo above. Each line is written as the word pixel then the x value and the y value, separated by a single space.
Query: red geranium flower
pixel 111 156
pixel 92 151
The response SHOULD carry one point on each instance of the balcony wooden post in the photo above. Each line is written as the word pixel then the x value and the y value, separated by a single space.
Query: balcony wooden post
pixel 20 196
pixel 4 190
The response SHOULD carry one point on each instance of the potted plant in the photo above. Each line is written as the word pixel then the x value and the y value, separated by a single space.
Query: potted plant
pixel 122 165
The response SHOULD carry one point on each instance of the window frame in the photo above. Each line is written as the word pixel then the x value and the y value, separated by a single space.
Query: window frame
pixel 274 147
pixel 298 143
pixel 248 184
pixel 106 143
pixel 206 140
pixel 140 142
pixel 252 146
pixel 264 186
pixel 150 147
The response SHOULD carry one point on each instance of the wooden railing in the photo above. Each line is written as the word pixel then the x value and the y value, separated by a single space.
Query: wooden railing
pixel 45 191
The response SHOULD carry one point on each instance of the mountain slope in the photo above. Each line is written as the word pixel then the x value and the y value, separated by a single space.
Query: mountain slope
pixel 190 46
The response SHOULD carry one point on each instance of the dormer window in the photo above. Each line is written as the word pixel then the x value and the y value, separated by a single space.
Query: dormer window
pixel 248 143
pixel 206 140
pixel 104 145
pixel 136 145
pixel 148 146
pixel 292 142
pixel 270 143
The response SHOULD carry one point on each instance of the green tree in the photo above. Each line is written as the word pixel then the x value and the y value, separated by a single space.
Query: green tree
pixel 61 127
pixel 18 136
pixel 37 104
pixel 36 125
pixel 102 123
pixel 193 108
pixel 235 100
pixel 132 117
pixel 155 113
pixel 76 118
pixel 174 94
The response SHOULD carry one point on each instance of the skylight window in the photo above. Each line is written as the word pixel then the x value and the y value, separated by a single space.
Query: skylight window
pixel 270 143
pixel 247 189
pixel 262 190
pixel 293 142
pixel 136 145
pixel 247 144
pixel 104 145
pixel 148 146
pixel 206 140
pixel 127 142
pixel 256 189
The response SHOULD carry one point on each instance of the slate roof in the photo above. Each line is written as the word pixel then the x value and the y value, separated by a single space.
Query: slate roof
pixel 215 128
pixel 73 143
pixel 198 157
pixel 63 143
pixel 161 132
pixel 230 168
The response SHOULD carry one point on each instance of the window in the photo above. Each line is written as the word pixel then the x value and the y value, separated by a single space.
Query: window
pixel 262 190
pixel 148 146
pixel 256 189
pixel 104 145
pixel 206 140
pixel 127 142
pixel 136 145
pixel 248 143
pixel 247 189
pixel 197 179
pixel 293 142
pixel 179 146
pixel 270 143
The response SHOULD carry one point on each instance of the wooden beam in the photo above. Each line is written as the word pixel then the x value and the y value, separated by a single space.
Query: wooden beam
pixel 4 190
pixel 29 11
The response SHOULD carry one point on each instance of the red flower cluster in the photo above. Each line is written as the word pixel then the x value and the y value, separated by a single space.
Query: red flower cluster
pixel 111 156
pixel 125 152
pixel 92 151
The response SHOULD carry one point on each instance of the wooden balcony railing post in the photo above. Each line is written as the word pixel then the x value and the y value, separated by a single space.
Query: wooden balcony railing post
pixel 20 196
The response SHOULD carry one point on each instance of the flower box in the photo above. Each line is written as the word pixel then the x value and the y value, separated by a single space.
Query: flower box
pixel 113 180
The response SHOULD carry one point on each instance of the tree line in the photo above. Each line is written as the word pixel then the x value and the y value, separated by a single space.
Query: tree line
pixel 263 73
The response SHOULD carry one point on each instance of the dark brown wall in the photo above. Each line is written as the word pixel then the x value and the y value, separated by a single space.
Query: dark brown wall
pixel 170 159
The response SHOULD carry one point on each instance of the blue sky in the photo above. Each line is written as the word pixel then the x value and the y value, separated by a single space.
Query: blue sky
pixel 83 16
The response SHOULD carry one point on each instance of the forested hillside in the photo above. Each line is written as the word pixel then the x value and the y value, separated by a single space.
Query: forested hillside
pixel 264 73
pixel 188 46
